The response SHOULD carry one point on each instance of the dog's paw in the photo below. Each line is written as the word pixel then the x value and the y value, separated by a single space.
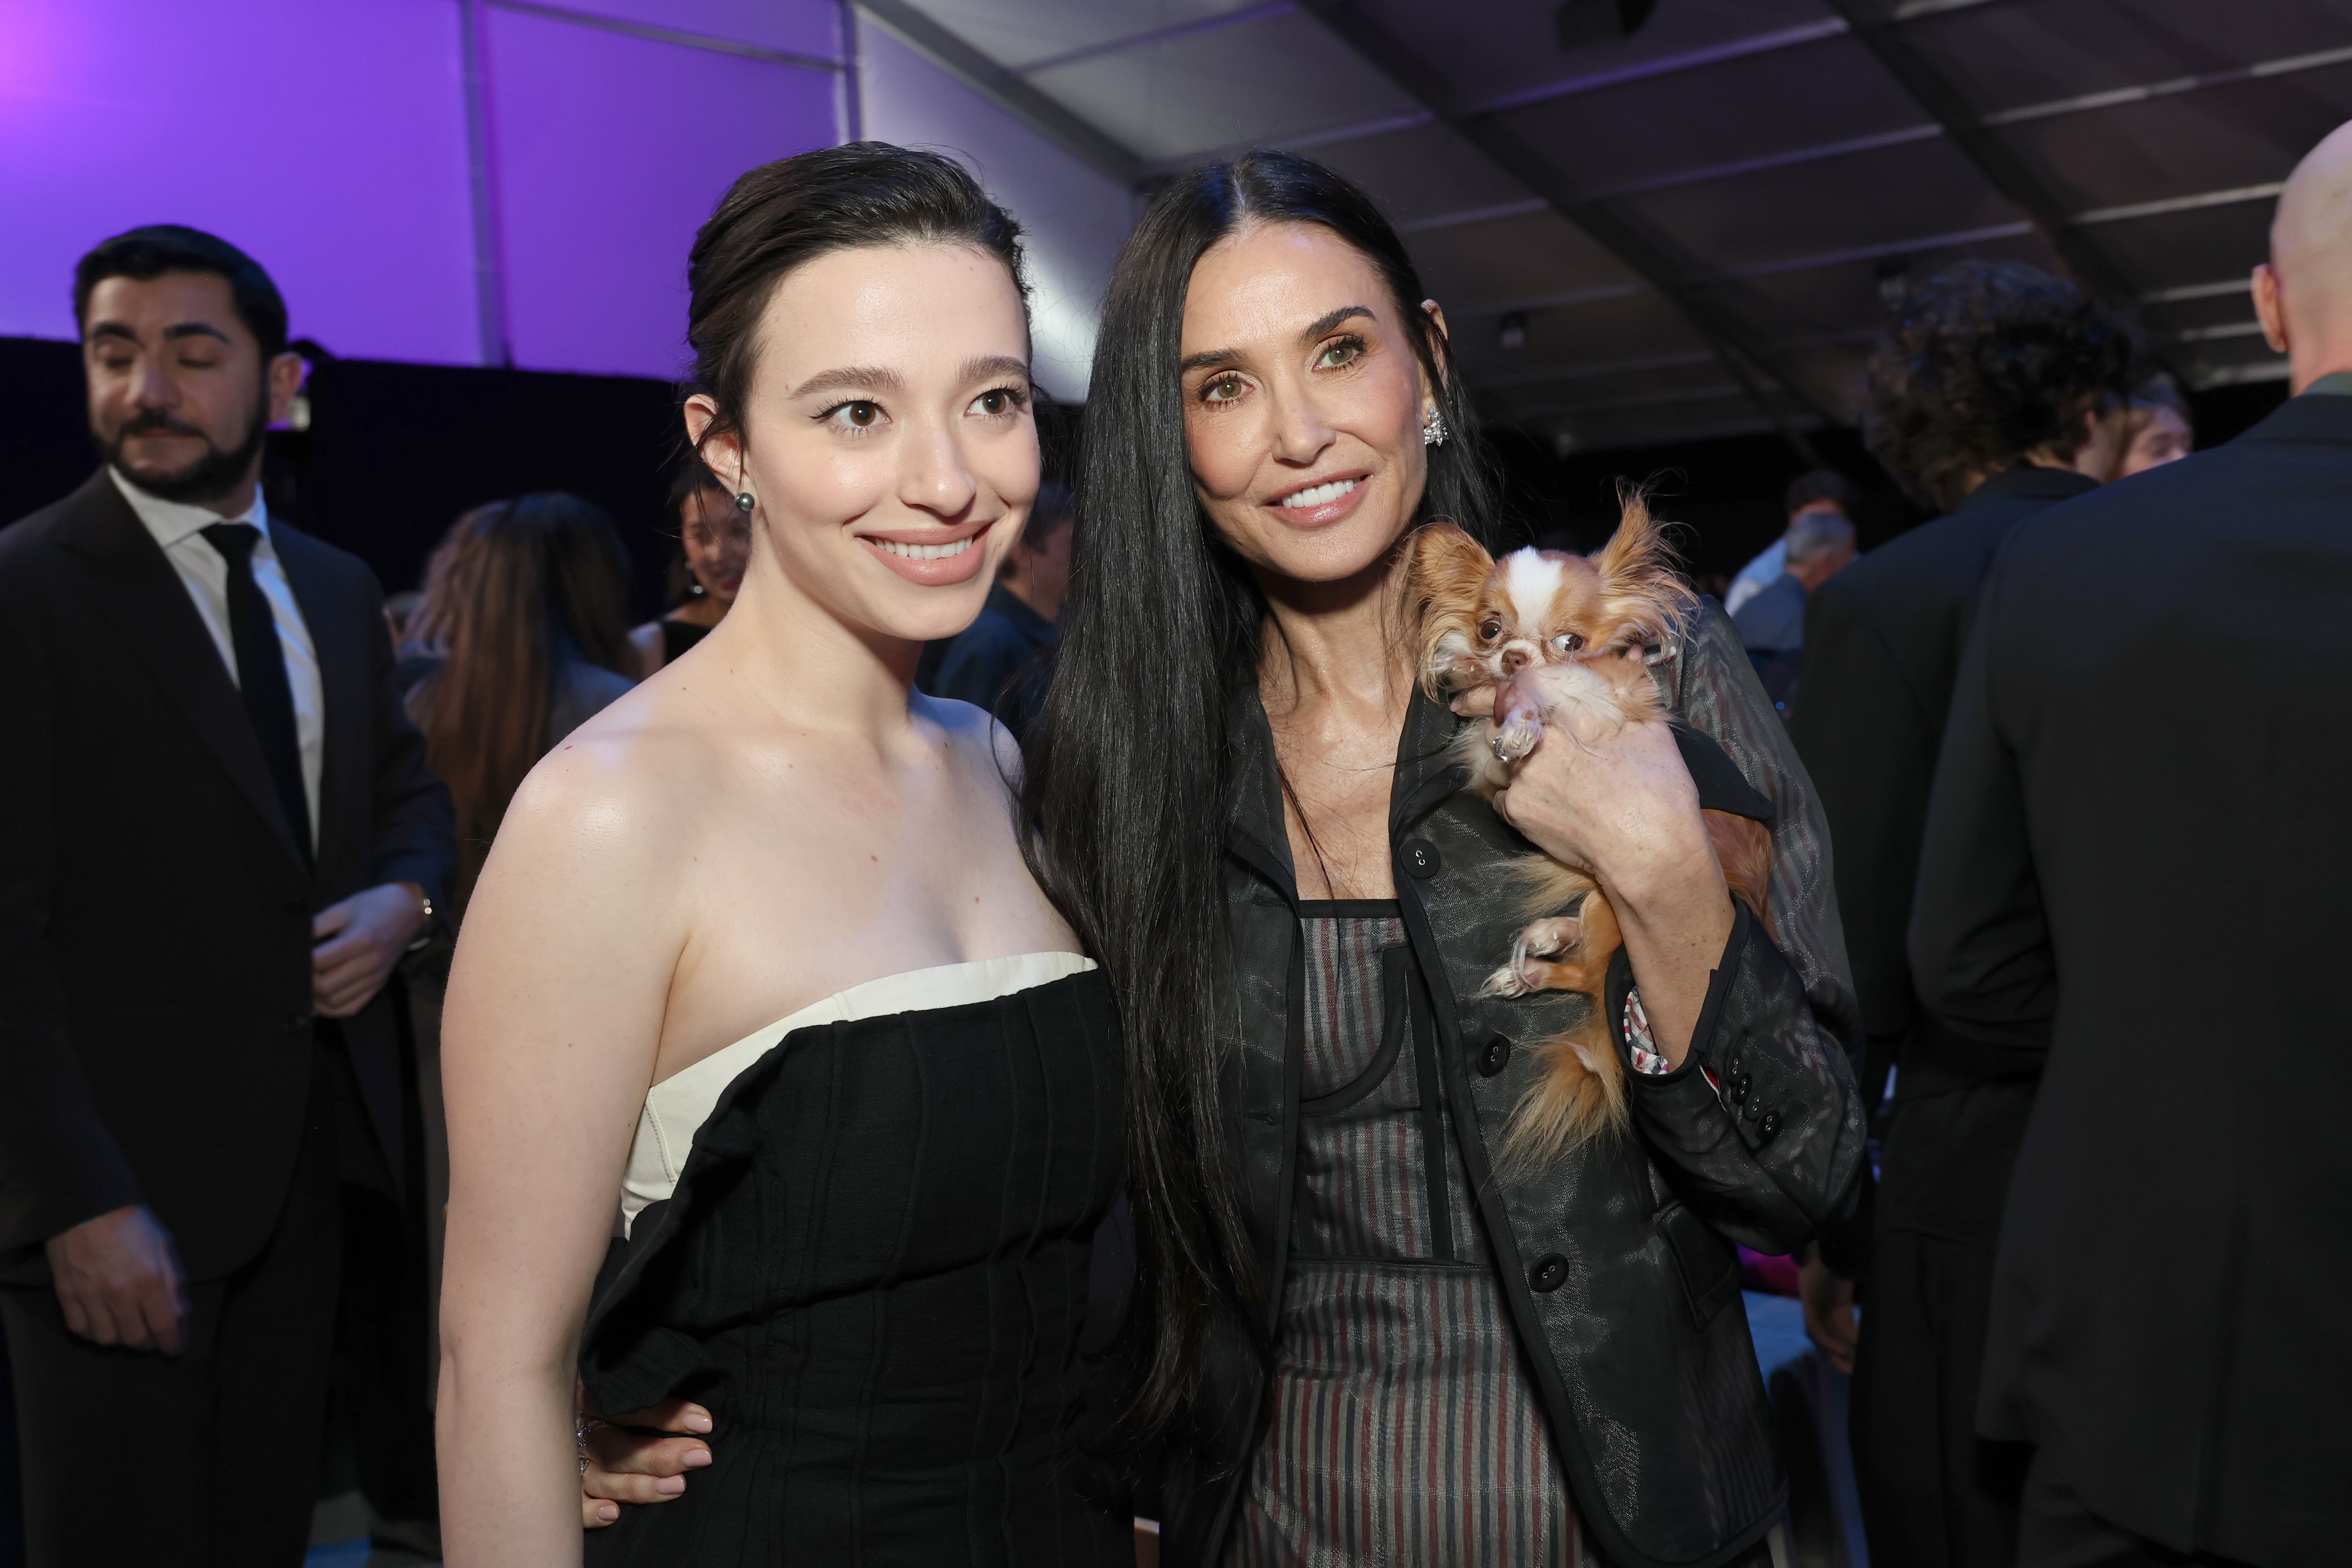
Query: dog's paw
pixel 1554 938
pixel 1534 955
pixel 1506 981
pixel 1517 736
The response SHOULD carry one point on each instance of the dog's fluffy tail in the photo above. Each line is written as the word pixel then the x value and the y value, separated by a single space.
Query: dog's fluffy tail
pixel 1578 1095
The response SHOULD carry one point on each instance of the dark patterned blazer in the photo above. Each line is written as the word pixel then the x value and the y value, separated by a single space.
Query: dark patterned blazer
pixel 1617 1262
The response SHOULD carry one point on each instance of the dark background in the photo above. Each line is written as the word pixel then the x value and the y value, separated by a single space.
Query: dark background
pixel 395 452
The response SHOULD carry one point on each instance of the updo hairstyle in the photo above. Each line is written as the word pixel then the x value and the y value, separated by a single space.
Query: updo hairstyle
pixel 782 215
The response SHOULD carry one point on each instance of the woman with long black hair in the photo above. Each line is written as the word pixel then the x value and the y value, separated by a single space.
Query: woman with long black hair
pixel 1366 1336
pixel 1385 1343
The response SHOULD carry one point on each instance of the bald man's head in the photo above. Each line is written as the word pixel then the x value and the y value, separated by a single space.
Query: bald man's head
pixel 2304 293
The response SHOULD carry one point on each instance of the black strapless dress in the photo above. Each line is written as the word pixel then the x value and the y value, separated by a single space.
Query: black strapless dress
pixel 874 1272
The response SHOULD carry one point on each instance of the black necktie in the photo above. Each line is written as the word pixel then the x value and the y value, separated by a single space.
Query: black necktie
pixel 261 673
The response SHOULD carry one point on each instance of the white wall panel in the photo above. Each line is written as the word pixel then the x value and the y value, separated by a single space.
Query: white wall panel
pixel 1074 217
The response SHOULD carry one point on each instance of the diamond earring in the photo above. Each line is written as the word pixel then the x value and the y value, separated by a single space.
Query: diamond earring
pixel 1432 428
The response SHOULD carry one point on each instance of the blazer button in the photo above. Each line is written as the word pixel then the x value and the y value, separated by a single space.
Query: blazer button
pixel 1768 1128
pixel 1741 1088
pixel 1549 1273
pixel 1421 857
pixel 1494 1057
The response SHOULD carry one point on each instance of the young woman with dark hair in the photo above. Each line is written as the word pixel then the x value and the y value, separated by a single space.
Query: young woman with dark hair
pixel 859 1233
pixel 714 542
pixel 1365 1336
pixel 520 638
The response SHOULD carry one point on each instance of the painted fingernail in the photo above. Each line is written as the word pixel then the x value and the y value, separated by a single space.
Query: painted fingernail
pixel 697 1419
pixel 670 1486
pixel 696 1458
pixel 608 1511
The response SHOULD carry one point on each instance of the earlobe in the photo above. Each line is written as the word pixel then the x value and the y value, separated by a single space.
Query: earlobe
pixel 2267 310
pixel 1443 346
pixel 287 372
pixel 720 452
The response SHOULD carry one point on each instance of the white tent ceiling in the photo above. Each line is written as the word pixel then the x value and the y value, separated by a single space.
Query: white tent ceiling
pixel 1698 223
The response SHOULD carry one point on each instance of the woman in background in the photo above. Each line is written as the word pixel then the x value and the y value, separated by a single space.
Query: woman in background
pixel 521 635
pixel 714 541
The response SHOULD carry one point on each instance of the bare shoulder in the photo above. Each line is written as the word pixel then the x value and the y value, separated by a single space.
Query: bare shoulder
pixel 617 800
pixel 985 746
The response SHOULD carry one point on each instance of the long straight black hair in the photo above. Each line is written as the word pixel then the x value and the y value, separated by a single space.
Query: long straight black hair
pixel 1128 772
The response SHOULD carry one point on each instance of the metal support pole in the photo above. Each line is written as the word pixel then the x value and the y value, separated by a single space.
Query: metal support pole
pixel 481 168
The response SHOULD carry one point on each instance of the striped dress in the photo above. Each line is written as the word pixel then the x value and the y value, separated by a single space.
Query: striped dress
pixel 1404 1428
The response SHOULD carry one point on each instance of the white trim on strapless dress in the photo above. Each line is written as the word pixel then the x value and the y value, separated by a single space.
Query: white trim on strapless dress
pixel 677 1107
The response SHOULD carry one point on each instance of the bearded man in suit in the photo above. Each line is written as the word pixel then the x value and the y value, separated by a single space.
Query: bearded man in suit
pixel 217 837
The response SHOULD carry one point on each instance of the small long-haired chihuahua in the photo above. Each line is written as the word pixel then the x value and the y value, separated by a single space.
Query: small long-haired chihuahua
pixel 1551 632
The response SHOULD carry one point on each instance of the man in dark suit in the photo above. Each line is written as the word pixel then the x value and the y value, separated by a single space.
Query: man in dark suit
pixel 1988 402
pixel 217 836
pixel 2135 878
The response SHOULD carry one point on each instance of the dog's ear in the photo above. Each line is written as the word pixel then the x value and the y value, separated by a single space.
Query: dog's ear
pixel 1641 592
pixel 1445 575
pixel 1445 560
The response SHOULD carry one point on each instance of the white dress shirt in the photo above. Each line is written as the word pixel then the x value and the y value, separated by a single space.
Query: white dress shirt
pixel 179 529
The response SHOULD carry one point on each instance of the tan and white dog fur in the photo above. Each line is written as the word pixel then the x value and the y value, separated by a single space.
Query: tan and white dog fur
pixel 1553 633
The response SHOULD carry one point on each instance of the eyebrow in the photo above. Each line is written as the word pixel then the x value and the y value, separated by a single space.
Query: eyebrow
pixel 1324 323
pixel 1217 358
pixel 985 367
pixel 180 330
pixel 851 378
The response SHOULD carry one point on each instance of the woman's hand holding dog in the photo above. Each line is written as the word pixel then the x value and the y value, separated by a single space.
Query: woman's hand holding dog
pixel 1617 802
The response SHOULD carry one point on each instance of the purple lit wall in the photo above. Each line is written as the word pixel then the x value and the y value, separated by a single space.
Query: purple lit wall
pixel 612 151
pixel 330 138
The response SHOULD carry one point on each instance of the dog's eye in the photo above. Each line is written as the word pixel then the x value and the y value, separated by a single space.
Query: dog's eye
pixel 1489 629
pixel 1567 642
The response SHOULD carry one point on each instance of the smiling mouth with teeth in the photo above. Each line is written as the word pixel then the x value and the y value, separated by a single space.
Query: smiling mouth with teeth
pixel 1319 495
pixel 923 551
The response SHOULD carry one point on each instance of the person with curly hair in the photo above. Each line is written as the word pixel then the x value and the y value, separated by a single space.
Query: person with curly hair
pixel 1999 391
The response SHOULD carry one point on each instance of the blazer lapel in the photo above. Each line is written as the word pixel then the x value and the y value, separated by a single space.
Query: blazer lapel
pixel 338 638
pixel 133 589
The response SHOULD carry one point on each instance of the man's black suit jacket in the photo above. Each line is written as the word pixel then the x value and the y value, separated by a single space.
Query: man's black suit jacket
pixel 2136 874
pixel 1882 642
pixel 156 1031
